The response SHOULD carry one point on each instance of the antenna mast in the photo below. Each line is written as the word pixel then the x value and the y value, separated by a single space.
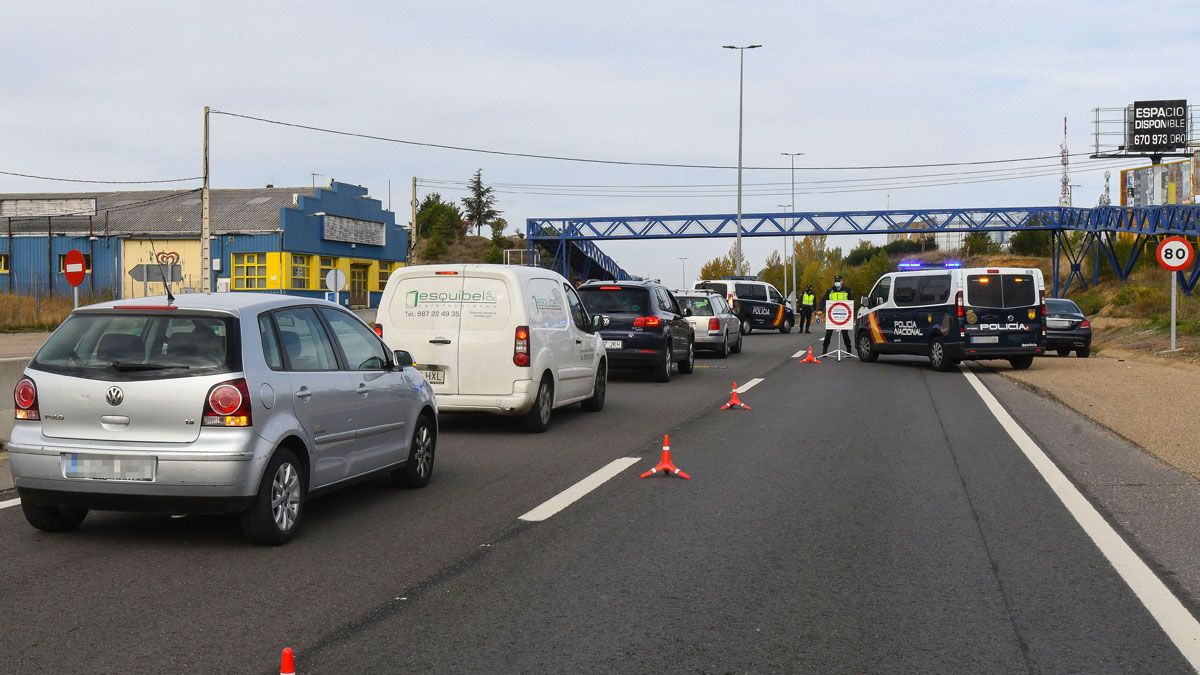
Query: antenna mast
pixel 1064 192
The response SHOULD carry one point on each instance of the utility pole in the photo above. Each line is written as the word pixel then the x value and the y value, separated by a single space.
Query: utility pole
pixel 795 288
pixel 205 220
pixel 683 273
pixel 741 80
pixel 412 226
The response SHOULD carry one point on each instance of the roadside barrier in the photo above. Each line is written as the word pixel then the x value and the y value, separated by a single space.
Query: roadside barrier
pixel 665 466
pixel 809 358
pixel 734 401
pixel 287 662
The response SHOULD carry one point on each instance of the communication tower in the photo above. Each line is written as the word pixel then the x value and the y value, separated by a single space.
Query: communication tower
pixel 1064 192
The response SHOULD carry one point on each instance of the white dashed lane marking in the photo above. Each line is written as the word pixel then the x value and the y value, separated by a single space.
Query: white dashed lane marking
pixel 576 492
pixel 749 385
pixel 11 502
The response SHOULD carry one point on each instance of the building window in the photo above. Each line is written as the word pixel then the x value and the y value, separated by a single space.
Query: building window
pixel 327 264
pixel 249 270
pixel 62 263
pixel 3 263
pixel 385 271
pixel 300 270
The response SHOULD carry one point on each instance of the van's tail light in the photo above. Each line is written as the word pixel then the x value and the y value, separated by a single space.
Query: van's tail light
pixel 25 396
pixel 958 309
pixel 521 347
pixel 379 329
pixel 714 324
pixel 647 322
pixel 228 405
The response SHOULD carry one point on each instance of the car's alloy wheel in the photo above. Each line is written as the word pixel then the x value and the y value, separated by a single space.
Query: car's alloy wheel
pixel 723 352
pixel 285 496
pixel 417 471
pixel 866 351
pixel 275 514
pixel 537 419
pixel 662 372
pixel 599 389
pixel 688 365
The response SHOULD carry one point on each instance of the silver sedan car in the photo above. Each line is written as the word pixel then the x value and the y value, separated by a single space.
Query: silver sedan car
pixel 225 403
pixel 716 327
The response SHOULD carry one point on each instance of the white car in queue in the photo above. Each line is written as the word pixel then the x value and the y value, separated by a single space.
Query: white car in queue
pixel 501 339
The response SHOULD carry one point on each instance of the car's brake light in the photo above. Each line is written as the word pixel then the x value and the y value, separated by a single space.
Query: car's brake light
pixel 379 329
pixel 228 405
pixel 610 288
pixel 993 271
pixel 521 347
pixel 446 273
pixel 25 396
pixel 714 324
pixel 958 304
pixel 1085 324
pixel 647 322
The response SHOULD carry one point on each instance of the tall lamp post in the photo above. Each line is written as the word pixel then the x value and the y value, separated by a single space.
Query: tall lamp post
pixel 683 273
pixel 788 208
pixel 792 156
pixel 741 78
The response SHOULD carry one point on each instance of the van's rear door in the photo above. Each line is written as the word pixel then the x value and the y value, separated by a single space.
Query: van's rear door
pixel 486 335
pixel 1003 309
pixel 425 312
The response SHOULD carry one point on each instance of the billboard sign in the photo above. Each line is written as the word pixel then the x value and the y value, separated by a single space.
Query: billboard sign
pixel 1157 126
pixel 1166 183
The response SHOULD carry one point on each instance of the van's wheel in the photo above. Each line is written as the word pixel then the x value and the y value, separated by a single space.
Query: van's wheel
pixel 275 515
pixel 537 419
pixel 688 365
pixel 662 372
pixel 737 346
pixel 746 328
pixel 938 358
pixel 1021 362
pixel 723 352
pixel 596 402
pixel 786 327
pixel 866 350
pixel 53 518
pixel 417 471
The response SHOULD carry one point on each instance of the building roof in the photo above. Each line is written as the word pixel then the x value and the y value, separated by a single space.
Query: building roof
pixel 161 212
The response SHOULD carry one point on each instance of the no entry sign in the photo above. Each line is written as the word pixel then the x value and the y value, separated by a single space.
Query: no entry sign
pixel 1175 254
pixel 839 315
pixel 74 267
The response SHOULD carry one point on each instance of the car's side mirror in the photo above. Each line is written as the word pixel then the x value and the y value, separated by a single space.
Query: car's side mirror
pixel 403 358
pixel 864 301
pixel 687 311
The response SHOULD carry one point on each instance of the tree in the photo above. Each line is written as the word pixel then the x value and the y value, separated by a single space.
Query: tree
pixel 773 272
pixel 1031 242
pixel 480 205
pixel 438 224
pixel 861 253
pixel 979 243
pixel 498 226
pixel 725 266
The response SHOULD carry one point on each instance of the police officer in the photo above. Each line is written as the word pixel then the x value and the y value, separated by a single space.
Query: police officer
pixel 839 291
pixel 807 300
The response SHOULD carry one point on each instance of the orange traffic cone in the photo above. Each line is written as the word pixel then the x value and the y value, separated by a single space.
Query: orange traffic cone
pixel 665 466
pixel 809 358
pixel 287 662
pixel 734 401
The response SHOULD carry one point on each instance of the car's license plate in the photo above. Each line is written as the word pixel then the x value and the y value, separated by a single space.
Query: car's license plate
pixel 986 339
pixel 109 467
pixel 435 376
pixel 613 344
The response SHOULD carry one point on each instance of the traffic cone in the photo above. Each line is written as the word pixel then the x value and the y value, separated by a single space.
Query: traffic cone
pixel 809 358
pixel 665 466
pixel 734 401
pixel 287 662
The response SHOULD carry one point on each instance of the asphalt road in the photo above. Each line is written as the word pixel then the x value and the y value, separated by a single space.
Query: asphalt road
pixel 863 517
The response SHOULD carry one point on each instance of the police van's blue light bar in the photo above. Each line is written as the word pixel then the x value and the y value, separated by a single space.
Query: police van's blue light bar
pixel 952 264
pixel 910 265
pixel 917 264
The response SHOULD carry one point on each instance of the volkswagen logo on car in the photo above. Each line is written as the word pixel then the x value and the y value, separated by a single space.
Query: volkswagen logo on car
pixel 114 396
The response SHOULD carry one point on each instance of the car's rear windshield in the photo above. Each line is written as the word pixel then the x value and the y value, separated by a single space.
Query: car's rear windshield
pixel 701 305
pixel 1060 306
pixel 128 346
pixel 615 300
pixel 718 287
pixel 1001 290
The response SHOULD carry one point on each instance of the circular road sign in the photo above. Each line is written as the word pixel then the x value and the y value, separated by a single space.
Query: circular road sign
pixel 1175 254
pixel 75 267
pixel 838 315
pixel 335 280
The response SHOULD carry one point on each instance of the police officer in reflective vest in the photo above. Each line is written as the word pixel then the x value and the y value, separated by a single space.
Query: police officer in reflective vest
pixel 839 292
pixel 808 300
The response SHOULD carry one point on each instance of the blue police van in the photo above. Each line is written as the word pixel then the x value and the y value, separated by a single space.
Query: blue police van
pixel 952 314
pixel 758 304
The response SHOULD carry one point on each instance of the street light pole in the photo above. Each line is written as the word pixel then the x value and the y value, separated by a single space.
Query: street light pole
pixel 741 79
pixel 789 207
pixel 792 156
pixel 683 273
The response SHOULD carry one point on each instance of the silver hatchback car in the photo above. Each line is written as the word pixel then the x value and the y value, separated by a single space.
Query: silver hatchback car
pixel 225 403
pixel 716 327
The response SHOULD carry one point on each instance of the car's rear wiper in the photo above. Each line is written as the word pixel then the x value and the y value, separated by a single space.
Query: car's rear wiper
pixel 122 366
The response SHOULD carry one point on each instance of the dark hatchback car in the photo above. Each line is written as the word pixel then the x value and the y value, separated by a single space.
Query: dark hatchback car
pixel 1067 329
pixel 643 326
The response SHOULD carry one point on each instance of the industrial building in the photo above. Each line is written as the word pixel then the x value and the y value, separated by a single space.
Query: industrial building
pixel 275 240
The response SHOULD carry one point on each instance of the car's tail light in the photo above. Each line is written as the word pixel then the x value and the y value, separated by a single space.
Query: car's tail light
pixel 958 304
pixel 610 288
pixel 228 405
pixel 714 324
pixel 1085 324
pixel 647 322
pixel 379 329
pixel 25 396
pixel 521 347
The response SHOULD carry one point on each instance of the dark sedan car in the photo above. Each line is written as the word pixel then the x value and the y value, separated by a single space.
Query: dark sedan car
pixel 1067 329
pixel 644 326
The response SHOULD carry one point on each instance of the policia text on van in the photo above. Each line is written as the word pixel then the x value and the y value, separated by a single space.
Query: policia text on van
pixel 952 315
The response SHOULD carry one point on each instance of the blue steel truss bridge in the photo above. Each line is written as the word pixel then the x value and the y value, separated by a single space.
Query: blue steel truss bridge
pixel 568 245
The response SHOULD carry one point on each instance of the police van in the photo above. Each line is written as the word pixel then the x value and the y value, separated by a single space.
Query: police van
pixel 759 305
pixel 954 314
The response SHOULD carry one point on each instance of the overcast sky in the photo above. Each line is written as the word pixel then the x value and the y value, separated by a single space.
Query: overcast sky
pixel 114 90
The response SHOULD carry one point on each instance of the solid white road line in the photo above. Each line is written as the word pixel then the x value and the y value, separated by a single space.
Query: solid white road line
pixel 749 385
pixel 11 502
pixel 800 354
pixel 1176 621
pixel 572 494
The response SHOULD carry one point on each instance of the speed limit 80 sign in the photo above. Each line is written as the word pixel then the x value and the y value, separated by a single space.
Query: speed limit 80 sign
pixel 1175 254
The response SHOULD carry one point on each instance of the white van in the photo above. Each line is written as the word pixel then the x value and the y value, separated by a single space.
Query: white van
pixel 500 339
